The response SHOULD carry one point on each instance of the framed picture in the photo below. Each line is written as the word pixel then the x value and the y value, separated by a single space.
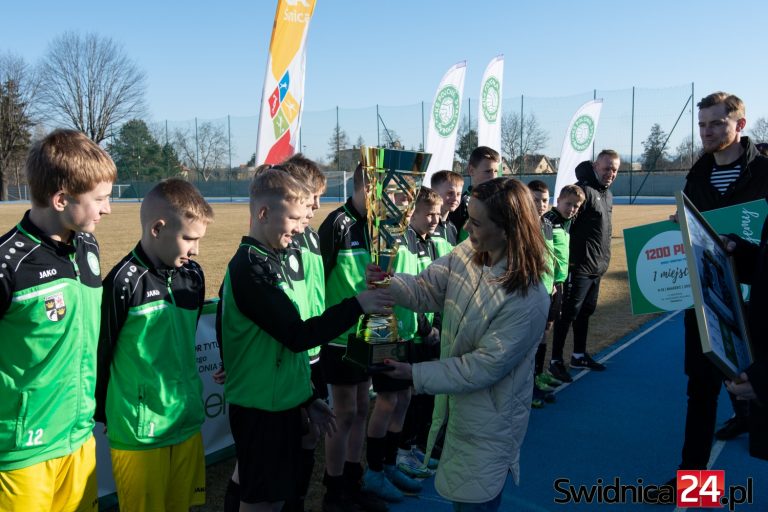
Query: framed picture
pixel 716 293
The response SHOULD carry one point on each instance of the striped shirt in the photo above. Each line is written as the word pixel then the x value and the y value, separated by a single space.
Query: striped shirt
pixel 724 175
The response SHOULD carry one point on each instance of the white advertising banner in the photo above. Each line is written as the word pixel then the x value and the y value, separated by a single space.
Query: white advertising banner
pixel 578 143
pixel 489 115
pixel 444 121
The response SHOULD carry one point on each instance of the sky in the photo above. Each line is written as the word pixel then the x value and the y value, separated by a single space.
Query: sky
pixel 207 60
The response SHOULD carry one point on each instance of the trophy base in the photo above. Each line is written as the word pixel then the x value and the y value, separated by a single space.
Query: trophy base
pixel 371 356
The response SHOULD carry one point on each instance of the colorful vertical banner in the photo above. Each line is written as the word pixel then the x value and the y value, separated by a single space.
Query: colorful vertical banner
pixel 578 143
pixel 489 115
pixel 444 120
pixel 283 96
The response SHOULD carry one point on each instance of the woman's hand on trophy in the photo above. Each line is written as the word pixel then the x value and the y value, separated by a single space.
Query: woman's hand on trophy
pixel 377 301
pixel 399 370
pixel 374 275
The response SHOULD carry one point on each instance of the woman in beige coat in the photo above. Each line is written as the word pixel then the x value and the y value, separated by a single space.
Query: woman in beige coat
pixel 494 310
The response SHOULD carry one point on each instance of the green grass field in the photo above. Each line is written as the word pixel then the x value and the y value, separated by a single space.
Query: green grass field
pixel 119 232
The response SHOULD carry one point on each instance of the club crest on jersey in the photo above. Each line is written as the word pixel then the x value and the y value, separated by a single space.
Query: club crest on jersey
pixel 55 308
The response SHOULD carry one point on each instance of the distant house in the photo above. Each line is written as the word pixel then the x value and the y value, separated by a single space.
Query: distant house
pixel 531 164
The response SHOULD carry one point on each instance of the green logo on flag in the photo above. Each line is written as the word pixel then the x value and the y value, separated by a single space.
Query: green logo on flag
pixel 446 110
pixel 491 99
pixel 582 133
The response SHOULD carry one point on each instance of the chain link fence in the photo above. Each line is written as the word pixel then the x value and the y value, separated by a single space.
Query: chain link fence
pixel 627 119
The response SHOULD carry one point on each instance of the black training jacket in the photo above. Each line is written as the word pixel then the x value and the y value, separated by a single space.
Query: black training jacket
pixel 591 228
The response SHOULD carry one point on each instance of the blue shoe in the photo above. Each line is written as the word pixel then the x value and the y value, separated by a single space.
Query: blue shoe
pixel 413 467
pixel 432 464
pixel 401 480
pixel 376 483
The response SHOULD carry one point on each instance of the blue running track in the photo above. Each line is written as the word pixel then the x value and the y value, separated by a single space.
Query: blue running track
pixel 625 423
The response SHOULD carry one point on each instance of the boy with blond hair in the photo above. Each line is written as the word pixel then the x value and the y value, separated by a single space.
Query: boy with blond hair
pixel 393 396
pixel 309 289
pixel 560 218
pixel 448 185
pixel 149 392
pixel 265 342
pixel 50 296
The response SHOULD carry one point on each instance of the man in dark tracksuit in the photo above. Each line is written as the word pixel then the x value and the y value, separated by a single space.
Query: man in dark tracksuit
pixel 731 171
pixel 590 253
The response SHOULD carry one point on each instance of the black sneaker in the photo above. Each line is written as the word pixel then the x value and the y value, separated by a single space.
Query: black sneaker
pixel 368 501
pixel 558 371
pixel 586 362
pixel 339 504
pixel 733 428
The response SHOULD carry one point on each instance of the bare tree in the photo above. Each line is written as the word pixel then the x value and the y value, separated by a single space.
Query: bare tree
pixel 759 131
pixel 18 89
pixel 89 83
pixel 513 146
pixel 204 150
pixel 686 153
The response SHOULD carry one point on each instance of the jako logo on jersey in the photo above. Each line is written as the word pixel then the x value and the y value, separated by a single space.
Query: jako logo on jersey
pixel 153 293
pixel 55 309
pixel 354 243
pixel 47 273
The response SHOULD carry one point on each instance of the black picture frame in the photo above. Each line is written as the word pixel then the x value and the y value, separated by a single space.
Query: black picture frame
pixel 716 293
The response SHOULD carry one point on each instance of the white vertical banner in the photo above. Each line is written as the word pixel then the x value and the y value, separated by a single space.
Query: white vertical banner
pixel 444 120
pixel 578 143
pixel 283 97
pixel 489 115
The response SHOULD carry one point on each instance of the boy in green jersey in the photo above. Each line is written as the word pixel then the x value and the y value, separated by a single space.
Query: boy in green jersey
pixel 448 185
pixel 542 385
pixel 149 392
pixel 385 427
pixel 265 341
pixel 309 287
pixel 50 298
pixel 560 218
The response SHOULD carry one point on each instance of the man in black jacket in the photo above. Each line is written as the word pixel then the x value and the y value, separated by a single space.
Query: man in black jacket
pixel 752 269
pixel 730 171
pixel 590 253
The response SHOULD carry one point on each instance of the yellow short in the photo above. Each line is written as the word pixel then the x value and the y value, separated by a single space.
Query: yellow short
pixel 63 484
pixel 171 478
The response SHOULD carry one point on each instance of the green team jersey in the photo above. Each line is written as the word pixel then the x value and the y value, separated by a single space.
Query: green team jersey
pixel 149 391
pixel 547 279
pixel 50 298
pixel 263 337
pixel 346 253
pixel 561 240
pixel 444 238
pixel 313 301
pixel 414 255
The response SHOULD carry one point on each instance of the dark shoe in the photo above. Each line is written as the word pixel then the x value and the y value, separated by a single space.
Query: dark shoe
pixel 543 397
pixel 232 497
pixel 339 504
pixel 368 502
pixel 558 371
pixel 664 494
pixel 733 428
pixel 586 362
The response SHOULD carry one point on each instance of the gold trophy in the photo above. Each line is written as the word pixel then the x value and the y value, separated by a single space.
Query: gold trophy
pixel 393 178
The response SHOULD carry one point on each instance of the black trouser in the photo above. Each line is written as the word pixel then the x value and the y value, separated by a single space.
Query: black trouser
pixel 704 383
pixel 579 302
